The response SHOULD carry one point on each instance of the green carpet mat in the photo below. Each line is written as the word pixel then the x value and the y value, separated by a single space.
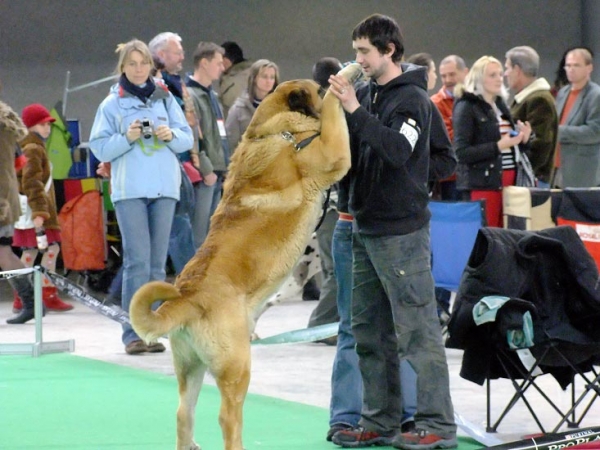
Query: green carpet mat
pixel 67 402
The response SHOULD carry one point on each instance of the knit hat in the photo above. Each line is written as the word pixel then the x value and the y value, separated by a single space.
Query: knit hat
pixel 233 52
pixel 35 114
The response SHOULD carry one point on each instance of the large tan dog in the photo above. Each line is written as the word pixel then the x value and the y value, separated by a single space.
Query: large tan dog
pixel 296 146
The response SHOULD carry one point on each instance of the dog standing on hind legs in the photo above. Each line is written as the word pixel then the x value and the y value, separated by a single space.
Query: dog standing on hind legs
pixel 296 146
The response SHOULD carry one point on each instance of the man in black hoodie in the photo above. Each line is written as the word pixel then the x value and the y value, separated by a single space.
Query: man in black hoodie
pixel 394 312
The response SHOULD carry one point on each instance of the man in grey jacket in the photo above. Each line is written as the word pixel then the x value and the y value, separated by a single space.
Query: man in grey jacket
pixel 578 106
pixel 208 67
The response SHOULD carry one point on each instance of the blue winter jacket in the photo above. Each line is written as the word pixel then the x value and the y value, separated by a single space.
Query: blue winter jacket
pixel 146 168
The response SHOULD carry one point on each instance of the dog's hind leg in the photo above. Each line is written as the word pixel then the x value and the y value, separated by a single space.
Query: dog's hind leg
pixel 190 375
pixel 233 378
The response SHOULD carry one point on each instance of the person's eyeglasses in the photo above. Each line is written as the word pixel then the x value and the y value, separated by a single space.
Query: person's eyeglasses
pixel 572 66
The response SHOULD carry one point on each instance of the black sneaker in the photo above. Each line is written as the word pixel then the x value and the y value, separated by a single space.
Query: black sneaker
pixel 408 426
pixel 335 428
pixel 360 437
pixel 420 439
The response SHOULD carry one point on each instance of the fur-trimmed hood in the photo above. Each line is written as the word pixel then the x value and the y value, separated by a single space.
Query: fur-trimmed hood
pixel 11 131
pixel 11 122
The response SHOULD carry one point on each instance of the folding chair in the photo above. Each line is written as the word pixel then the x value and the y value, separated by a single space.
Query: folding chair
pixel 549 274
pixel 453 229
pixel 580 209
pixel 529 208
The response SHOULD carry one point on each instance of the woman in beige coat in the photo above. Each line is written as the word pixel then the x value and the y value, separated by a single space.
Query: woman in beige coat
pixel 263 79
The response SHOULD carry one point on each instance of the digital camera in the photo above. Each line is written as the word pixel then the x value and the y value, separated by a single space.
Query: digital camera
pixel 146 128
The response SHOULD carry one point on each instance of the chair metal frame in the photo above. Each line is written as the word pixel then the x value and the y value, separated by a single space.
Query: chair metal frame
pixel 568 417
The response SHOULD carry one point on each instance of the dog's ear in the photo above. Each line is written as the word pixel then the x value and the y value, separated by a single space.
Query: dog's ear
pixel 299 100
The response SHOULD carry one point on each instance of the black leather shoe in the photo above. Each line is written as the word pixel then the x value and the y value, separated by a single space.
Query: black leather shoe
pixel 24 316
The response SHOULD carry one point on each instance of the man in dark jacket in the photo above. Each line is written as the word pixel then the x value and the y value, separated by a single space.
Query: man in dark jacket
pixel 166 49
pixel 394 313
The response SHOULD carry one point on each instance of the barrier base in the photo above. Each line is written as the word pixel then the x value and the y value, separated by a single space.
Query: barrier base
pixel 38 348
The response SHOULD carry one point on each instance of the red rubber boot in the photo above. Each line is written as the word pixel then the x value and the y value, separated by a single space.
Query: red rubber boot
pixel 52 302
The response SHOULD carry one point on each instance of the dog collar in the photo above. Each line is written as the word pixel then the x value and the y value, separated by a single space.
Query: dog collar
pixel 286 135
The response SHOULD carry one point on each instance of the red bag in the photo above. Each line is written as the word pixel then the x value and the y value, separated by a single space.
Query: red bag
pixel 192 172
pixel 82 230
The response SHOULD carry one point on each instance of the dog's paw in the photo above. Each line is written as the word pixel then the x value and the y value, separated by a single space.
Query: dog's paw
pixel 352 72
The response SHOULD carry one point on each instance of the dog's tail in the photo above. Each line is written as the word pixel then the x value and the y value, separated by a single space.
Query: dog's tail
pixel 150 325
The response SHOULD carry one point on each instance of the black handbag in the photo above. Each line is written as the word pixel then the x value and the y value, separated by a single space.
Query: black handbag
pixel 187 197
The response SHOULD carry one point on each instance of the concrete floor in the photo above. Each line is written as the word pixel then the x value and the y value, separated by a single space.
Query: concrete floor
pixel 295 372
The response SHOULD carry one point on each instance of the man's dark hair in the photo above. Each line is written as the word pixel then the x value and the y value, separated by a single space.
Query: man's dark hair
pixel 420 59
pixel 381 31
pixel 206 50
pixel 324 68
pixel 233 52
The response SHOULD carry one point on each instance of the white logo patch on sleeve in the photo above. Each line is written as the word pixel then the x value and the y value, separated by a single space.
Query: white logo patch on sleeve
pixel 410 133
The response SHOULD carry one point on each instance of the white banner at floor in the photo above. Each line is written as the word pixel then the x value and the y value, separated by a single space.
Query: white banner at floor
pixel 81 295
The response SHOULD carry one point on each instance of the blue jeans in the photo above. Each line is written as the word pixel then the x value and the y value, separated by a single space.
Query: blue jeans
pixel 207 199
pixel 346 381
pixel 145 225
pixel 394 317
pixel 181 242
pixel 543 185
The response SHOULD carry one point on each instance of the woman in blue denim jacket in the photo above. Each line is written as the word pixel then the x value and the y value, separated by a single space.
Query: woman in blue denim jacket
pixel 139 128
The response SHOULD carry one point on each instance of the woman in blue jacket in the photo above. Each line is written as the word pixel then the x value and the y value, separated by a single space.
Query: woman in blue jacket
pixel 139 128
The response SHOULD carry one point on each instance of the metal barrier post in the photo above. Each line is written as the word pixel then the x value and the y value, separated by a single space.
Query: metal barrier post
pixel 39 347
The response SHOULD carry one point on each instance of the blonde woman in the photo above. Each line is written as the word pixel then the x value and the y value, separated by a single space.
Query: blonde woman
pixel 263 79
pixel 139 128
pixel 485 136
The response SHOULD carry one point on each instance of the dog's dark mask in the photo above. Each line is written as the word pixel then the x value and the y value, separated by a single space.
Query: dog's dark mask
pixel 299 100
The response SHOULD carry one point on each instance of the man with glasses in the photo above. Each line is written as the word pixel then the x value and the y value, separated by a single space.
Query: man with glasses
pixel 578 106
pixel 168 56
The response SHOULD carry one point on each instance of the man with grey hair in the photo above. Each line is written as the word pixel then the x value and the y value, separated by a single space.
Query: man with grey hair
pixel 167 50
pixel 168 56
pixel 453 71
pixel 578 106
pixel 533 103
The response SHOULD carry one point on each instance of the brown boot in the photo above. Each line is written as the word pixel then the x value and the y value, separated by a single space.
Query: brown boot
pixel 17 303
pixel 52 302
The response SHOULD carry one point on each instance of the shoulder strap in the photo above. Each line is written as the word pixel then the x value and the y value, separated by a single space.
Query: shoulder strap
pixel 49 182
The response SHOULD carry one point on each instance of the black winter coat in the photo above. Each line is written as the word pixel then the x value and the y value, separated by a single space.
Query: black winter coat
pixel 547 272
pixel 476 134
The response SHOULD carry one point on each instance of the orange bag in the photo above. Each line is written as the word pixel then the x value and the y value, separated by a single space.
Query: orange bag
pixel 82 230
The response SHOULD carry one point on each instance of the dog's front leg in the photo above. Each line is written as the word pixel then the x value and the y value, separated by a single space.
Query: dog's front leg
pixel 334 130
